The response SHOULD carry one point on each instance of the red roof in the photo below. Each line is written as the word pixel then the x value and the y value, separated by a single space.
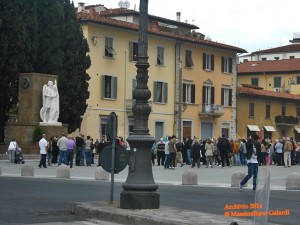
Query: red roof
pixel 284 65
pixel 286 48
pixel 259 92
pixel 94 17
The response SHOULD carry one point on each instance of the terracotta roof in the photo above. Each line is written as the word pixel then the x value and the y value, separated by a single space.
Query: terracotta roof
pixel 286 48
pixel 122 12
pixel 259 92
pixel 94 17
pixel 284 65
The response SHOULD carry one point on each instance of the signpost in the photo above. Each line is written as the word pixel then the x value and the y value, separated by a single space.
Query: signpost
pixel 113 157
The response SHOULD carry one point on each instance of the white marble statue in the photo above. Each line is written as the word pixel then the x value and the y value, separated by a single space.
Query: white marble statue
pixel 50 111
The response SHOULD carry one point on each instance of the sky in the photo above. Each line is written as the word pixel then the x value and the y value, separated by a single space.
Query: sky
pixel 252 25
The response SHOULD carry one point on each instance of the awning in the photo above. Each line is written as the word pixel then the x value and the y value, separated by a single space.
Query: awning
pixel 253 127
pixel 297 129
pixel 270 128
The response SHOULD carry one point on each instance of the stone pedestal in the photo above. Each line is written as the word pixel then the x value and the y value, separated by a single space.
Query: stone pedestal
pixel 28 118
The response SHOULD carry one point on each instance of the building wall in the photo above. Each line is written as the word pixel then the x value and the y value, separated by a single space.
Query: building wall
pixel 260 119
pixel 198 75
pixel 266 81
pixel 125 71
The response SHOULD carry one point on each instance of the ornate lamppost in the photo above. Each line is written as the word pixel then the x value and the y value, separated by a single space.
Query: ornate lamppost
pixel 140 190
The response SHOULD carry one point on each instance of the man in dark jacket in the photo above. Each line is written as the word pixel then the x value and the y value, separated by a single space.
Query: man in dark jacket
pixel 224 147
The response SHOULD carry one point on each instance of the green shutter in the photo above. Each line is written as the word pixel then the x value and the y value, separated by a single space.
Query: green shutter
pixel 193 93
pixel 204 61
pixel 130 51
pixel 222 68
pixel 212 95
pixel 114 87
pixel 154 91
pixel 165 97
pixel 212 62
pixel 222 96
pixel 102 85
pixel 230 97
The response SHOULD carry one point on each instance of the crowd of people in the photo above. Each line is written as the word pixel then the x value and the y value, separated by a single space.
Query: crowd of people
pixel 222 152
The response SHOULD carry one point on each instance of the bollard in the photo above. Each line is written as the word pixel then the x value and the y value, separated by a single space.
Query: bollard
pixel 293 181
pixel 189 177
pixel 63 171
pixel 236 178
pixel 101 174
pixel 27 170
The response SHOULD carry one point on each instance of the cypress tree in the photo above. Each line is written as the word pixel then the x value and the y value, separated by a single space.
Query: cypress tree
pixel 73 80
pixel 12 45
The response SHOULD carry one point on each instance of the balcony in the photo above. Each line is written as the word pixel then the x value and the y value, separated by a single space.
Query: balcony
pixel 211 110
pixel 286 120
pixel 129 104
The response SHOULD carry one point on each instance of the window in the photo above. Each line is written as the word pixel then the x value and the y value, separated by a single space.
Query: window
pixel 254 81
pixel 251 109
pixel 109 87
pixel 208 61
pixel 298 79
pixel 263 59
pixel 208 95
pixel 276 58
pixel 188 95
pixel 188 59
pixel 160 56
pixel 226 65
pixel 277 82
pixel 109 50
pixel 133 51
pixel 292 57
pixel 160 92
pixel 103 126
pixel 159 130
pixel 283 110
pixel 268 110
pixel 226 96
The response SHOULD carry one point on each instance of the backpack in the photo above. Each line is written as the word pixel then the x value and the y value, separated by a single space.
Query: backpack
pixel 92 146
pixel 249 148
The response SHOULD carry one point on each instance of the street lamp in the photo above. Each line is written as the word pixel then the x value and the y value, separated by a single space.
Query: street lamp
pixel 140 190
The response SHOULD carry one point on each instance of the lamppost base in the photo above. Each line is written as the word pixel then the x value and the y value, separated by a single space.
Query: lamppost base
pixel 139 200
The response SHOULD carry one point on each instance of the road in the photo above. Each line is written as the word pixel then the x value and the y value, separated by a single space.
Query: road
pixel 26 200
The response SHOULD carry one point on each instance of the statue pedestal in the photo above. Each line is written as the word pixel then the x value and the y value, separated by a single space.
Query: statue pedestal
pixel 55 124
pixel 23 133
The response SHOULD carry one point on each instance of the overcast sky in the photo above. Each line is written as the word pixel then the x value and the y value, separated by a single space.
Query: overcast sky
pixel 252 25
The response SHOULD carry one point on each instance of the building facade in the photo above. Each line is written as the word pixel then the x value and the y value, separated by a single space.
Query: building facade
pixel 191 79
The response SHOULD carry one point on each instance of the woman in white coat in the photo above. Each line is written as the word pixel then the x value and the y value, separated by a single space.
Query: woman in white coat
pixel 11 151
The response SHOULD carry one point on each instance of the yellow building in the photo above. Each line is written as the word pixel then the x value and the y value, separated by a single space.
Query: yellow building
pixel 268 98
pixel 112 36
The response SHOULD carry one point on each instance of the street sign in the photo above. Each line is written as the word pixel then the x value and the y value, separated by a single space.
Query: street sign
pixel 121 158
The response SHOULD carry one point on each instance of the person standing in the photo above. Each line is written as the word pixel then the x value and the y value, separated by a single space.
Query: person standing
pixel 49 151
pixel 224 148
pixel 88 151
pixel 196 153
pixel 172 150
pixel 188 145
pixel 160 152
pixel 288 148
pixel 253 147
pixel 101 145
pixel 62 146
pixel 167 154
pixel 71 145
pixel 278 148
pixel 243 152
pixel 55 151
pixel 12 147
pixel 43 151
pixel 79 150
pixel 209 148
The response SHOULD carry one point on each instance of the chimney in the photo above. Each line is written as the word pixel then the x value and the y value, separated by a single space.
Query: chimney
pixel 81 7
pixel 154 25
pixel 178 14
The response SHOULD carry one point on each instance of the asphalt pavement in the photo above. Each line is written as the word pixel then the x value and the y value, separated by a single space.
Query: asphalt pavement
pixel 94 212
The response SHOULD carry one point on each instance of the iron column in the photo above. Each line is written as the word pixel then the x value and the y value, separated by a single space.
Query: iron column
pixel 140 190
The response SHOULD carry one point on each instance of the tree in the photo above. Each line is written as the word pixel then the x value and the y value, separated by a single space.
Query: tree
pixel 12 49
pixel 73 80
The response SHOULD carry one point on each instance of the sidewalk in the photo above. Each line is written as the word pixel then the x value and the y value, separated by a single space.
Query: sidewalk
pixel 214 177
